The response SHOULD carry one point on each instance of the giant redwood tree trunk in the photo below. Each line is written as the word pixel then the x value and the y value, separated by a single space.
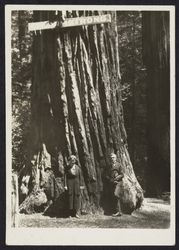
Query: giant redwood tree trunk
pixel 77 109
pixel 157 59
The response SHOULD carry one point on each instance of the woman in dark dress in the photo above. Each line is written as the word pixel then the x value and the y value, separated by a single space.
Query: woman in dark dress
pixel 73 186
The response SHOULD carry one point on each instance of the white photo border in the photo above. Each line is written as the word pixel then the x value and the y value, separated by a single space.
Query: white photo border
pixel 84 236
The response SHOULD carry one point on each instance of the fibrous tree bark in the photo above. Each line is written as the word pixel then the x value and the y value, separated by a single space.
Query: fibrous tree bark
pixel 156 53
pixel 77 109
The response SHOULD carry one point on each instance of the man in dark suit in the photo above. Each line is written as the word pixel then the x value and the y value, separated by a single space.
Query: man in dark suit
pixel 116 176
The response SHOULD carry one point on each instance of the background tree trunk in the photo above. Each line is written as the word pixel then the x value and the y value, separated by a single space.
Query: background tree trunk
pixel 156 52
pixel 77 109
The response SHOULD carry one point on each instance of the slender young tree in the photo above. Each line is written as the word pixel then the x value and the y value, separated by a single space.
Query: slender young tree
pixel 77 109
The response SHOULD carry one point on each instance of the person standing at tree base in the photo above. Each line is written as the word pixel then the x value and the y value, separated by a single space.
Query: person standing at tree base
pixel 115 178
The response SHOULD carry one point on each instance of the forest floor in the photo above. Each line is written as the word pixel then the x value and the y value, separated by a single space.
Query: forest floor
pixel 155 213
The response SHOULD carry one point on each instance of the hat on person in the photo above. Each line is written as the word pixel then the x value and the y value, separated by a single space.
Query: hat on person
pixel 72 157
pixel 113 155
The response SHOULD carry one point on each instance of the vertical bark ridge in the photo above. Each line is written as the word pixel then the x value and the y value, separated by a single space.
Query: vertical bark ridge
pixel 62 86
pixel 78 112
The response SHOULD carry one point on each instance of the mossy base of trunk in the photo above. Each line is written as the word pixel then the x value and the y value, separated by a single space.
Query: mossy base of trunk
pixel 38 202
pixel 131 197
pixel 35 202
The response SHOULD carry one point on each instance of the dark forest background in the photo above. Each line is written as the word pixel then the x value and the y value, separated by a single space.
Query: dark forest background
pixel 135 96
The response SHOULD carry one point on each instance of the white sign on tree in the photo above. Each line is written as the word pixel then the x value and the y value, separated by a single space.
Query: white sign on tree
pixel 70 22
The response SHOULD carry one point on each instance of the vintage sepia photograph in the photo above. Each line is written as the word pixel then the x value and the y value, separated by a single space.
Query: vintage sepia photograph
pixel 90 121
